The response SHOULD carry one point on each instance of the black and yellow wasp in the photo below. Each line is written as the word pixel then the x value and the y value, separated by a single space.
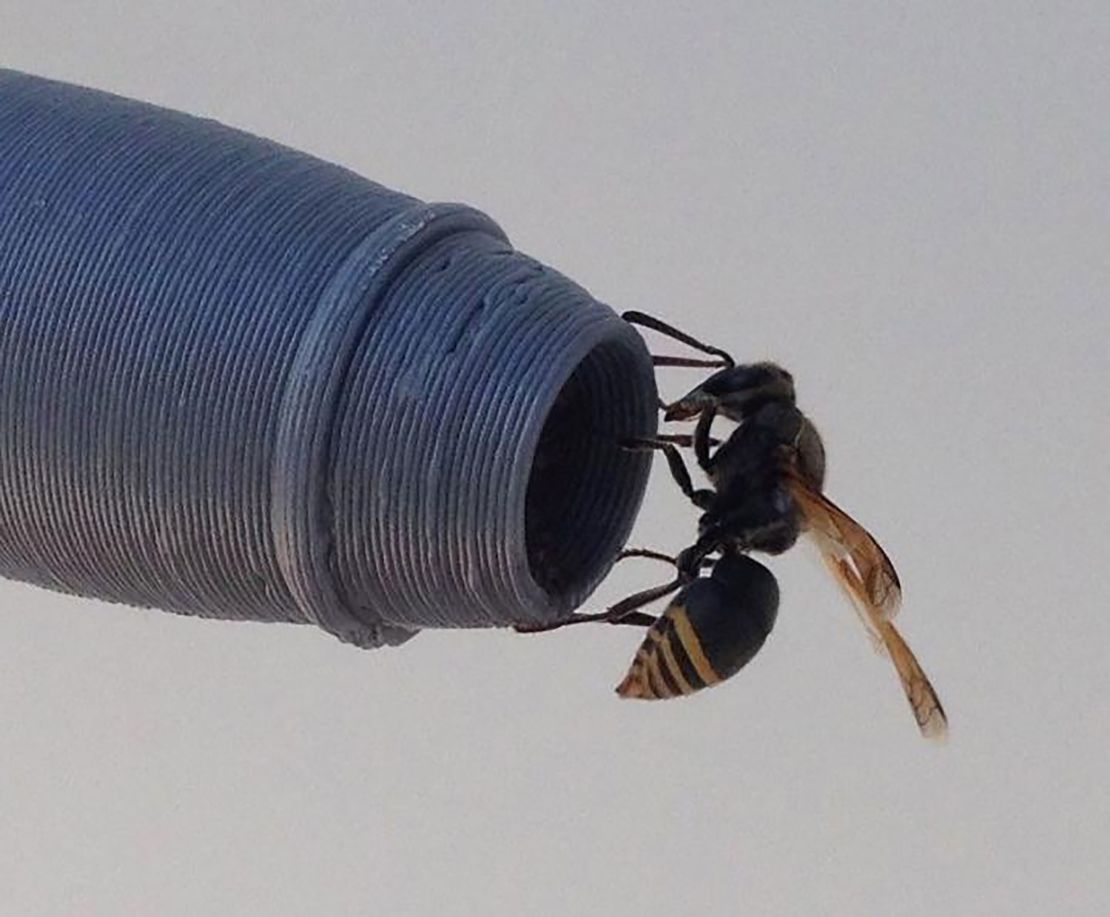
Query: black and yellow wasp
pixel 766 479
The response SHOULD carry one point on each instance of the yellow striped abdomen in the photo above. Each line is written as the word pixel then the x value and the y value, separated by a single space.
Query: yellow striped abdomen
pixel 710 631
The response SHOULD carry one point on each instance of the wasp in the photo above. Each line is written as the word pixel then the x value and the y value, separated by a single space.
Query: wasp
pixel 766 482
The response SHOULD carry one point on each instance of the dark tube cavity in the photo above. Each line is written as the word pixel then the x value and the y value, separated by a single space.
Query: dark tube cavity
pixel 579 474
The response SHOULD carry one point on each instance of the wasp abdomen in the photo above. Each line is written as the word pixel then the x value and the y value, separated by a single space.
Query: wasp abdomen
pixel 708 633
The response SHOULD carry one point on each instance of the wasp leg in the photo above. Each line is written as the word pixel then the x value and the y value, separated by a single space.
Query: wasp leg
pixel 635 618
pixel 691 560
pixel 702 440
pixel 657 555
pixel 691 362
pixel 683 440
pixel 625 611
pixel 700 498
pixel 638 619
pixel 647 321
pixel 644 552
pixel 626 606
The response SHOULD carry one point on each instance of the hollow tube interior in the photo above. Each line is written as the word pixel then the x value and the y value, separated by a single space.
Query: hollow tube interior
pixel 578 501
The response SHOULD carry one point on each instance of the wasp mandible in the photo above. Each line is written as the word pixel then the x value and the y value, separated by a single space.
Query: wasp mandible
pixel 767 478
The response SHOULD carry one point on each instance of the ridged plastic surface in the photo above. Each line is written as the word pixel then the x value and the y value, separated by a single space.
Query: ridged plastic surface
pixel 239 382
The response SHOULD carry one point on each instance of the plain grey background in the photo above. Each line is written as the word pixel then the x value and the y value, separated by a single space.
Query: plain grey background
pixel 907 204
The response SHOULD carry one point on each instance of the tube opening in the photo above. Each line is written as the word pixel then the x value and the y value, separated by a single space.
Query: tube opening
pixel 584 490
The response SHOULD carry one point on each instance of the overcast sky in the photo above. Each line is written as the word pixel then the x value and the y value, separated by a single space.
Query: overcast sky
pixel 907 205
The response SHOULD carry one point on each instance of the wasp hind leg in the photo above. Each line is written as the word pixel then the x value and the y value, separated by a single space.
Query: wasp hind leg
pixel 624 612
pixel 659 555
pixel 645 552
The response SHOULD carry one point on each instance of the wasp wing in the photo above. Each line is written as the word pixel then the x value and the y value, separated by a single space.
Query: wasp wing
pixel 839 536
pixel 926 706
pixel 865 573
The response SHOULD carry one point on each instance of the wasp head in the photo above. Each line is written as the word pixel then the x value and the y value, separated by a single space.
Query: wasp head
pixel 736 392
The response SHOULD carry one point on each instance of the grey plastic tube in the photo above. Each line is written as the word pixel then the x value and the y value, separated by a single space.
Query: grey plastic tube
pixel 239 382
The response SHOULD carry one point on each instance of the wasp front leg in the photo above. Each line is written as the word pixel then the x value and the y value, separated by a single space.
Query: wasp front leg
pixel 722 358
